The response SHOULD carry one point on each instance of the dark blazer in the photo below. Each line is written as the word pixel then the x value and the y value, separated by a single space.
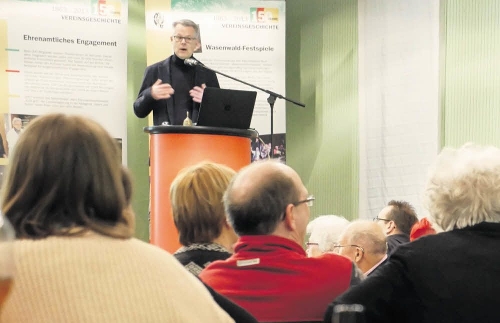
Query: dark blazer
pixel 395 240
pixel 449 277
pixel 162 109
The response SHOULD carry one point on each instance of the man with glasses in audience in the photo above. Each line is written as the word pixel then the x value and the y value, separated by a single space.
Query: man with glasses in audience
pixel 269 273
pixel 397 219
pixel 365 244
pixel 171 89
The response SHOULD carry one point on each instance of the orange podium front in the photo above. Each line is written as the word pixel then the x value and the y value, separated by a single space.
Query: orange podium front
pixel 174 147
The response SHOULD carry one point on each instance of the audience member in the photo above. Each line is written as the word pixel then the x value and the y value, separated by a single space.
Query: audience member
pixel 324 232
pixel 421 228
pixel 68 198
pixel 451 276
pixel 196 197
pixel 269 274
pixel 397 219
pixel 365 244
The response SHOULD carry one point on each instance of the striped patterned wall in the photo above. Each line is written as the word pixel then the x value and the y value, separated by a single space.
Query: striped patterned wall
pixel 322 139
pixel 470 90
pixel 138 141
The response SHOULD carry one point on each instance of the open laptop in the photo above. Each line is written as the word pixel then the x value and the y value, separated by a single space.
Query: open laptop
pixel 226 108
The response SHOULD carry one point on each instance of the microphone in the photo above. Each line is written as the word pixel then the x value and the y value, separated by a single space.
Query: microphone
pixel 192 62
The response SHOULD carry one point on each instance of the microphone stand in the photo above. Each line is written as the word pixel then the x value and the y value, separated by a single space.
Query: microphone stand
pixel 271 99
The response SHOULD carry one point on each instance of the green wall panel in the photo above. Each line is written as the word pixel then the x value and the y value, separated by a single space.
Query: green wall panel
pixel 321 71
pixel 137 147
pixel 471 96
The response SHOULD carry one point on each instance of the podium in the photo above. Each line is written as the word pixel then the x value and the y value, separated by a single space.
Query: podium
pixel 173 148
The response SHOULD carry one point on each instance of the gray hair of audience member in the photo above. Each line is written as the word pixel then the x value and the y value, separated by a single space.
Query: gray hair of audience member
pixel 188 23
pixel 260 208
pixel 463 187
pixel 325 230
pixel 366 234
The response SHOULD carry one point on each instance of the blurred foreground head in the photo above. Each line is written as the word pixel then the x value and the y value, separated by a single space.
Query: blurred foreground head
pixel 66 177
pixel 463 187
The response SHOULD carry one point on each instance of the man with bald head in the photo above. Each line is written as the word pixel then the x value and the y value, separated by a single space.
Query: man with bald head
pixel 365 243
pixel 269 273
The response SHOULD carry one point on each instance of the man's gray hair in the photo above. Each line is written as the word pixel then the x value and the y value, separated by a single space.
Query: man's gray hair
pixel 325 231
pixel 188 23
pixel 463 187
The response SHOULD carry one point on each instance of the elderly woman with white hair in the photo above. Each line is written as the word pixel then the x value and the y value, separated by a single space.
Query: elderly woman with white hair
pixel 451 276
pixel 324 232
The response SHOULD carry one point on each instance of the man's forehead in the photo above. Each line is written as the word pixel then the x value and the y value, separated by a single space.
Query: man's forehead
pixel 385 211
pixel 188 29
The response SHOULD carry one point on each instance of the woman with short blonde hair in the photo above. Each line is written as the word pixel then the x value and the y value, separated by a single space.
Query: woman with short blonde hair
pixel 196 198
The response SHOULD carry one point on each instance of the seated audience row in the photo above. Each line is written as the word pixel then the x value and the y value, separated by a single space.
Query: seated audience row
pixel 269 273
pixel 451 276
pixel 68 198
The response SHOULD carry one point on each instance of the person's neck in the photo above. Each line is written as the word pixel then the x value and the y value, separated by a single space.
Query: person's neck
pixel 225 240
pixel 287 234
pixel 369 260
pixel 178 61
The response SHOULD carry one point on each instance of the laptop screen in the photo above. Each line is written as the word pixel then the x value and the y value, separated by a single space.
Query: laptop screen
pixel 226 108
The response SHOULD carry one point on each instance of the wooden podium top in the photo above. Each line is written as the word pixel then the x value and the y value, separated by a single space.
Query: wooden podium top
pixel 248 133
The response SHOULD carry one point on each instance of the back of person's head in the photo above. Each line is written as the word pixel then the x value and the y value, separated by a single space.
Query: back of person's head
pixel 325 231
pixel 196 197
pixel 462 188
pixel 366 234
pixel 258 195
pixel 403 214
pixel 64 178
pixel 421 228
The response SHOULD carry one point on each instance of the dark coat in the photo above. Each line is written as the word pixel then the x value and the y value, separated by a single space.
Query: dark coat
pixel 162 109
pixel 449 277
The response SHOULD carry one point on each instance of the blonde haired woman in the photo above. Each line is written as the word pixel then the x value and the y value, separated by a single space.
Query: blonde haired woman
pixel 196 197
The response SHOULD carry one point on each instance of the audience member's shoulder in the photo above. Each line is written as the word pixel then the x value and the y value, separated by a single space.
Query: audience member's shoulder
pixel 148 250
pixel 331 259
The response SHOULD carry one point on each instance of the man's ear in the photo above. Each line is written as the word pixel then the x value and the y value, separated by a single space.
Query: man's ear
pixel 359 255
pixel 290 217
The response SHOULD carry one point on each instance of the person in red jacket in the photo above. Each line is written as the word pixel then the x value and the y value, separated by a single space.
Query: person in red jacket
pixel 269 273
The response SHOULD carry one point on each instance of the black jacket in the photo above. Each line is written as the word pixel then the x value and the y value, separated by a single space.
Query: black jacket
pixel 449 277
pixel 162 109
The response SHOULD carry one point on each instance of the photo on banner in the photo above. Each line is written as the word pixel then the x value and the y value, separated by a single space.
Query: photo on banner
pixel 243 39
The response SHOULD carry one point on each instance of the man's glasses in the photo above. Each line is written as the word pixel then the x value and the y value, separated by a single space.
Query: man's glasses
pixel 309 201
pixel 375 219
pixel 186 39
pixel 336 248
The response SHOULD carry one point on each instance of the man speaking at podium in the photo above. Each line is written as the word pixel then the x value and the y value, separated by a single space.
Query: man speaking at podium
pixel 171 88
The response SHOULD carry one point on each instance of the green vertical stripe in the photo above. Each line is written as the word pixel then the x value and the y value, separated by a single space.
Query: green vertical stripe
pixel 472 73
pixel 322 140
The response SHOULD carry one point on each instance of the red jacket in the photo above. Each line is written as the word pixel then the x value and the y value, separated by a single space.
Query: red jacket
pixel 272 278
